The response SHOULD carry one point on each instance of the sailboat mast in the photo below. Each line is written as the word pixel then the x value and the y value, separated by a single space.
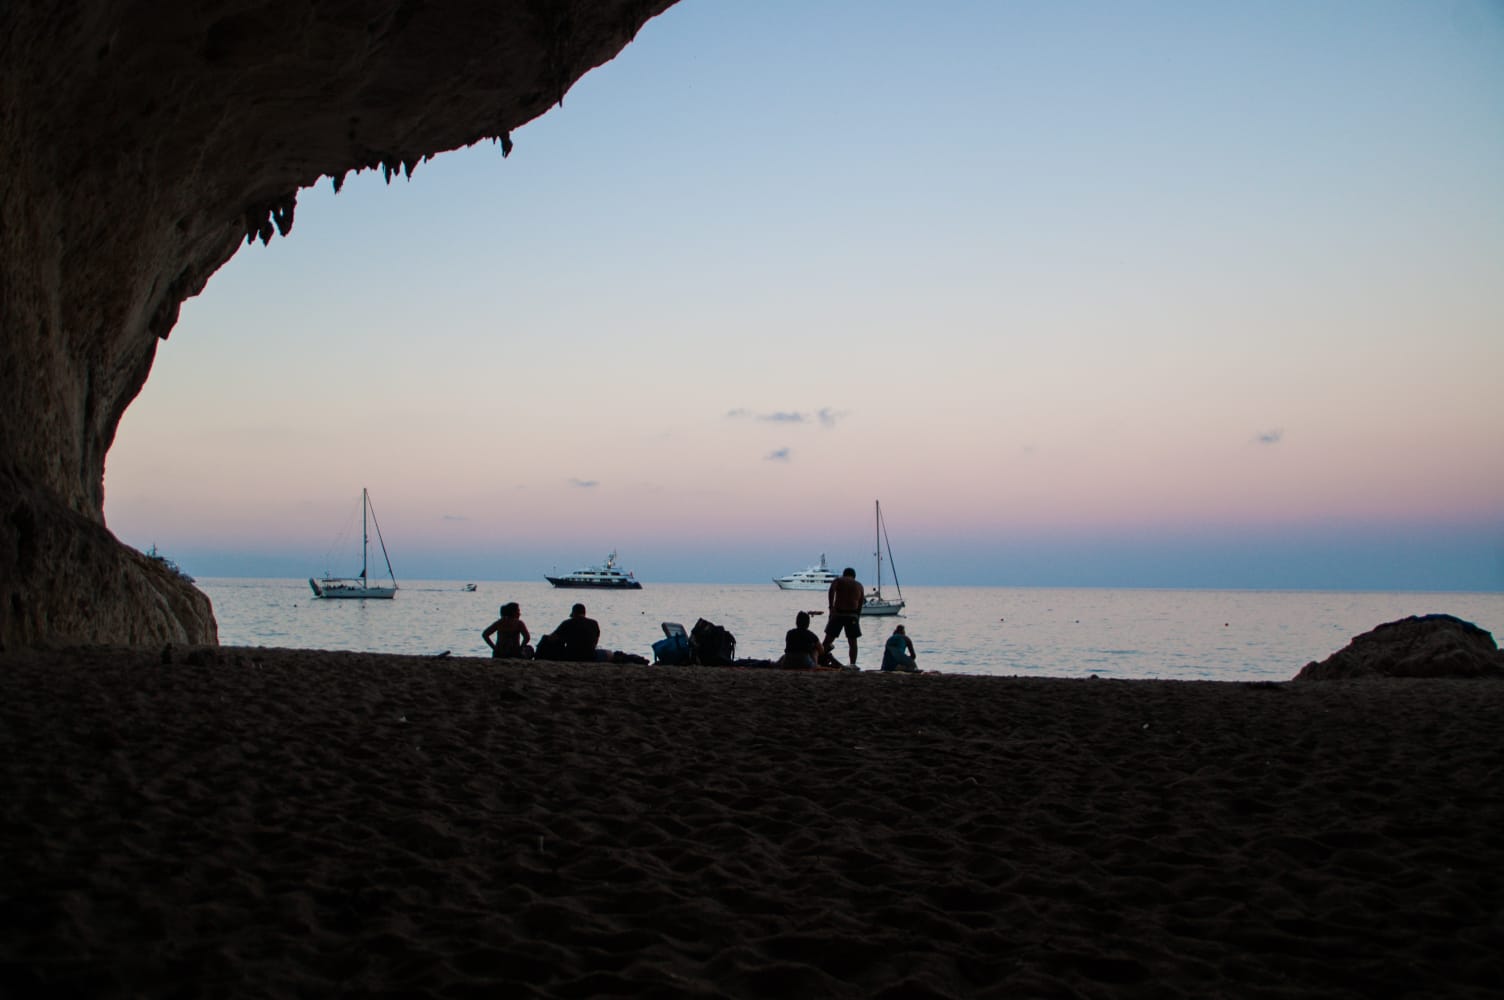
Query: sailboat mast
pixel 891 564
pixel 365 539
pixel 877 542
pixel 377 522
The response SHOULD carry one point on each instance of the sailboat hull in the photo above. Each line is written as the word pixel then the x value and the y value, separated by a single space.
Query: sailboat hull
pixel 877 606
pixel 346 590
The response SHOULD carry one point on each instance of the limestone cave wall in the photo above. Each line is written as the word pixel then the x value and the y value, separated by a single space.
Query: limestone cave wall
pixel 140 143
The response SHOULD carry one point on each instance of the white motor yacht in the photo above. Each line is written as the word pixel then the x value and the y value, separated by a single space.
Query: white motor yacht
pixel 815 577
pixel 605 576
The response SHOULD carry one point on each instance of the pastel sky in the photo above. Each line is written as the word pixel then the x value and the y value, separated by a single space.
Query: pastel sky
pixel 1089 293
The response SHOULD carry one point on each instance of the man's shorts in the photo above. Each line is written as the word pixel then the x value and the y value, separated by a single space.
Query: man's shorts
pixel 851 622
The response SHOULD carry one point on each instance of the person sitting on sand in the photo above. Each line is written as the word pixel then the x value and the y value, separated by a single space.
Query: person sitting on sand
pixel 801 647
pixel 576 637
pixel 898 654
pixel 845 597
pixel 512 642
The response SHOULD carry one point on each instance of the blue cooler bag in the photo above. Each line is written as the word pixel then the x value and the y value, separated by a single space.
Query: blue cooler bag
pixel 673 648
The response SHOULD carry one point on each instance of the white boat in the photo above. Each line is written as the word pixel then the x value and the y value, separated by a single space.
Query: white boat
pixel 877 604
pixel 359 587
pixel 604 577
pixel 816 577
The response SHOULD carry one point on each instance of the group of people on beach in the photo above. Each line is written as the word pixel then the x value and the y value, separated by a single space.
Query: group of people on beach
pixel 845 600
pixel 577 638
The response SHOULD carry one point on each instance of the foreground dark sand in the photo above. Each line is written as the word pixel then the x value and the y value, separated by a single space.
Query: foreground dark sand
pixel 276 822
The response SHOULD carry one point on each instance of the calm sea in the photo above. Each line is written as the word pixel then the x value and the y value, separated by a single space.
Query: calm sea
pixel 1176 634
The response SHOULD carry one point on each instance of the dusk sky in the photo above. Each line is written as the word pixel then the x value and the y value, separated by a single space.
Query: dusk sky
pixel 1094 293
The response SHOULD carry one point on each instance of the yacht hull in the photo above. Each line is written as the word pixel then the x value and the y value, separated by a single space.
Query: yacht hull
pixel 566 583
pixel 803 585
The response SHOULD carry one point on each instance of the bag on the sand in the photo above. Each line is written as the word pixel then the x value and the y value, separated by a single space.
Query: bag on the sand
pixel 673 649
pixel 713 646
pixel 551 648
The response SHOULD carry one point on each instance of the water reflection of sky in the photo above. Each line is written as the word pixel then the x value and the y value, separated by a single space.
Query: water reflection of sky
pixel 1187 635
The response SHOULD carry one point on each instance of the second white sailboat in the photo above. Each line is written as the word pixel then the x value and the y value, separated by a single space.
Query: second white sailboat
pixel 359 587
pixel 877 604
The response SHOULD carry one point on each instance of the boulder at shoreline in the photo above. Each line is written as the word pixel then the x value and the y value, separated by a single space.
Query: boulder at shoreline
pixel 1418 646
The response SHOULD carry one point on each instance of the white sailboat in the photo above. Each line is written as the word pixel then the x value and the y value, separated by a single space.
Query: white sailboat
pixel 359 587
pixel 877 604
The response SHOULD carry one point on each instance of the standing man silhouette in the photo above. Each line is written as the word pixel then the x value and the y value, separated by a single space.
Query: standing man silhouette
pixel 845 597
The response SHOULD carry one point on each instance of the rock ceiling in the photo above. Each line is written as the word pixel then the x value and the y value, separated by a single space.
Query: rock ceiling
pixel 140 143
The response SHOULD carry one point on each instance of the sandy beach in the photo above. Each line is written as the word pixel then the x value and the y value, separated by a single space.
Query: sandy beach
pixel 254 822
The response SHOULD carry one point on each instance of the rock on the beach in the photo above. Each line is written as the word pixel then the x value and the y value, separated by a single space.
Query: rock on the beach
pixel 1418 646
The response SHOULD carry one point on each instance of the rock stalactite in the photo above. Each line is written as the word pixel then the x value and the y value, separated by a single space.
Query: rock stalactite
pixel 140 143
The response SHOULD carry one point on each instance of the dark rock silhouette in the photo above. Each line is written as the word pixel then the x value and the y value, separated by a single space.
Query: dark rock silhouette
pixel 1418 646
pixel 140 143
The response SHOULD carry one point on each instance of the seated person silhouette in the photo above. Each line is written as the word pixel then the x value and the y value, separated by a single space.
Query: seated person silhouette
pixel 898 653
pixel 512 639
pixel 801 647
pixel 574 640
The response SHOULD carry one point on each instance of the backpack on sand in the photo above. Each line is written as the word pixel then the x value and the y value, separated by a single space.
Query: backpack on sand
pixel 713 646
